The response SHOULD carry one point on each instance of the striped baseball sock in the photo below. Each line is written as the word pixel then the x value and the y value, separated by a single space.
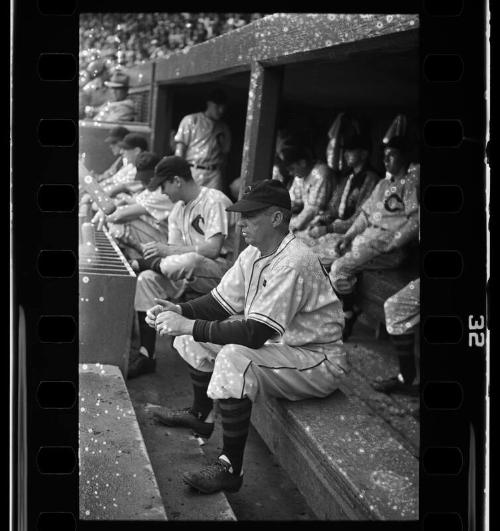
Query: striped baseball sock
pixel 235 413
pixel 147 335
pixel 405 344
pixel 202 404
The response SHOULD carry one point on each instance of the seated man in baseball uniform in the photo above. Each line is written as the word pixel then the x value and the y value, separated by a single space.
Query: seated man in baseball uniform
pixel 389 219
pixel 353 187
pixel 198 252
pixel 271 327
pixel 402 315
pixel 311 186
pixel 204 140
pixel 142 217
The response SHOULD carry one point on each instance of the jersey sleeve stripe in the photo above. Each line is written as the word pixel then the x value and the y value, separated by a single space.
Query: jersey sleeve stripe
pixel 218 297
pixel 267 321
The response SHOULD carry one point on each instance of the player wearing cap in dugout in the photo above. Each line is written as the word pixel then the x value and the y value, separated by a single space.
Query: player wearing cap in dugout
pixel 389 219
pixel 204 140
pixel 272 327
pixel 122 109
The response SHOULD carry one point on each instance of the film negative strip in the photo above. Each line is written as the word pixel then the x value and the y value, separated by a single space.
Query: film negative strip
pixel 46 400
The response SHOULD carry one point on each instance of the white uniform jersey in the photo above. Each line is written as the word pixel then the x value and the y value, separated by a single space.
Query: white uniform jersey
pixel 200 219
pixel 287 290
pixel 206 140
pixel 158 206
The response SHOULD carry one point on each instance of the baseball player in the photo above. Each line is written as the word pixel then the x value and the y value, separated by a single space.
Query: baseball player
pixel 354 186
pixel 204 140
pixel 402 315
pixel 198 253
pixel 389 220
pixel 271 327
pixel 141 218
pixel 311 185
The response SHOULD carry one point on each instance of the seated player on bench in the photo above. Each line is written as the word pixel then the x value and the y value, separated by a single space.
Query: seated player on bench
pixel 198 253
pixel 311 186
pixel 353 187
pixel 272 327
pixel 143 218
pixel 389 219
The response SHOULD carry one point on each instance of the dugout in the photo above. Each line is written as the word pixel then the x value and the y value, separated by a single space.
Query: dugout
pixel 296 71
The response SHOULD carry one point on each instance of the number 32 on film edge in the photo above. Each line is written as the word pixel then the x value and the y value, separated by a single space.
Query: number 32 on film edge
pixel 476 339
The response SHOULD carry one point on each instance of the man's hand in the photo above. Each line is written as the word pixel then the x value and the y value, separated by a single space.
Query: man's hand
pixel 152 249
pixel 162 306
pixel 100 219
pixel 317 231
pixel 172 324
pixel 342 244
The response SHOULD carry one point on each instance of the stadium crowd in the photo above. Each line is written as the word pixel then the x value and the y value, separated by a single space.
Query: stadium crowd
pixel 130 38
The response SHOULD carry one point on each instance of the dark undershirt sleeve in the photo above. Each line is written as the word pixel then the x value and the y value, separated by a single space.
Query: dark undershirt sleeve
pixel 204 307
pixel 248 333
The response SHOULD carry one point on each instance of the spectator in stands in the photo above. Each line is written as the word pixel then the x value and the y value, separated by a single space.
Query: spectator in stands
pixel 204 140
pixel 402 315
pixel 271 328
pixel 311 186
pixel 198 253
pixel 95 93
pixel 389 219
pixel 354 186
pixel 122 109
pixel 142 218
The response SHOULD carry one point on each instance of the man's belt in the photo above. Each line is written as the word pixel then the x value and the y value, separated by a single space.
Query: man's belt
pixel 204 166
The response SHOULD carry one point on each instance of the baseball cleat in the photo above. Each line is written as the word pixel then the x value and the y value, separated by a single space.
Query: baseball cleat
pixel 214 478
pixel 394 385
pixel 184 418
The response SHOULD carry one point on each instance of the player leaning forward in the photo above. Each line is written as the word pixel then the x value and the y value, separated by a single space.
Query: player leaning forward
pixel 272 327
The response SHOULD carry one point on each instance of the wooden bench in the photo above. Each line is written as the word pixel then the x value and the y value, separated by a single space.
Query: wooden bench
pixel 116 478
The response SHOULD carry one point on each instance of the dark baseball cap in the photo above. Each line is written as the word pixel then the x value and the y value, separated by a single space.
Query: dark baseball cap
pixel 145 163
pixel 133 140
pixel 116 134
pixel 168 168
pixel 217 96
pixel 357 142
pixel 291 154
pixel 397 142
pixel 262 194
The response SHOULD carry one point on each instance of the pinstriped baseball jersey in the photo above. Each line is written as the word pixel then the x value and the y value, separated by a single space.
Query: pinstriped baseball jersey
pixel 288 290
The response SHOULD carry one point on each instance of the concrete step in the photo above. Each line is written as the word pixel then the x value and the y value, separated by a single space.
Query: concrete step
pixel 174 451
pixel 352 455
pixel 117 481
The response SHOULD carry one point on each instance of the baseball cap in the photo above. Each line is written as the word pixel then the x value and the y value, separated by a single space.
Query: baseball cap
pixel 397 142
pixel 167 168
pixel 118 80
pixel 217 96
pixel 133 140
pixel 145 164
pixel 269 192
pixel 292 154
pixel 116 134
pixel 357 141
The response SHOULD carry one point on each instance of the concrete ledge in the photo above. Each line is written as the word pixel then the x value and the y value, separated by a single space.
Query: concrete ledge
pixel 116 478
pixel 344 460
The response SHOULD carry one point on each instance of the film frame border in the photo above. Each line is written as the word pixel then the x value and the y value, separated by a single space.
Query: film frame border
pixel 44 295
